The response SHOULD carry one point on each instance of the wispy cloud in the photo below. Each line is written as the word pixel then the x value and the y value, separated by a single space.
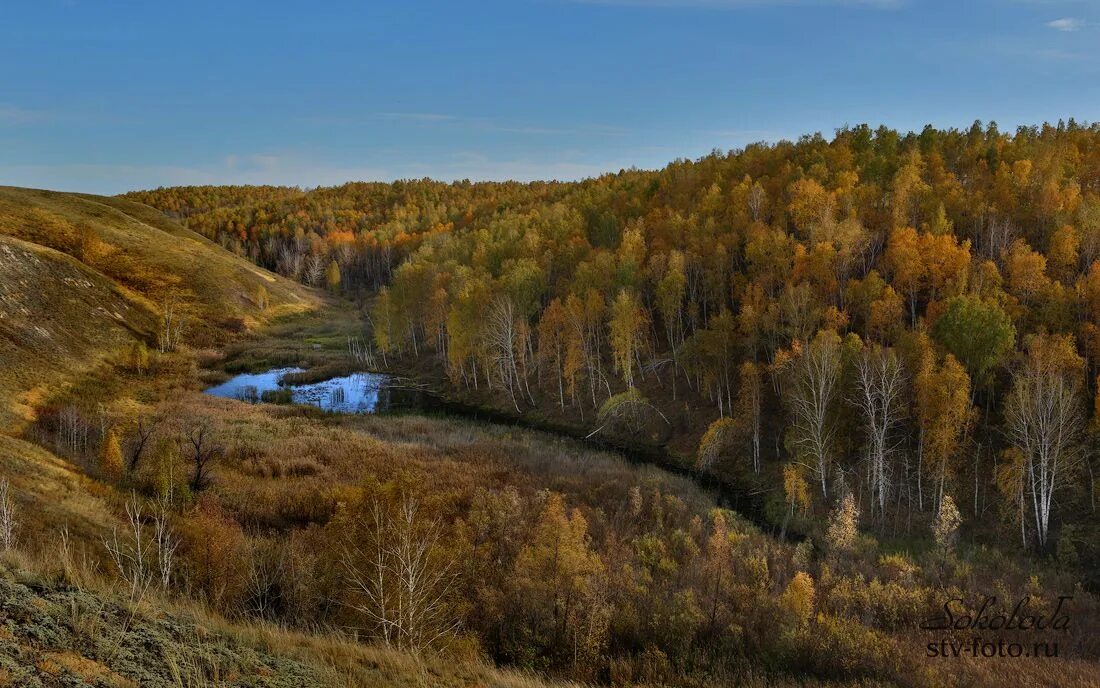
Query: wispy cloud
pixel 1037 54
pixel 10 114
pixel 738 4
pixel 418 116
pixel 485 124
pixel 602 130
pixel 741 134
pixel 293 170
pixel 252 162
pixel 1067 24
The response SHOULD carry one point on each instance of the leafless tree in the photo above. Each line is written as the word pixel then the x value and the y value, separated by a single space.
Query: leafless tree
pixel 145 430
pixel 1043 418
pixel 165 540
pixel 204 454
pixel 361 352
pixel 130 552
pixel 812 395
pixel 289 263
pixel 267 569
pixel 588 334
pixel 757 197
pixel 880 384
pixel 105 419
pixel 500 340
pixel 171 325
pixel 72 431
pixel 998 236
pixel 750 401
pixel 402 580
pixel 315 270
pixel 8 523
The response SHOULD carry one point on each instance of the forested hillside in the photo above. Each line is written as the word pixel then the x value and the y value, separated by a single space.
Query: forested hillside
pixel 906 317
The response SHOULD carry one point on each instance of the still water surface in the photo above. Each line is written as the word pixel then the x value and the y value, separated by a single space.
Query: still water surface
pixel 355 393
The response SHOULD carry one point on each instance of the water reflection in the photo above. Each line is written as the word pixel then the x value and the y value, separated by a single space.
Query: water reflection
pixel 355 393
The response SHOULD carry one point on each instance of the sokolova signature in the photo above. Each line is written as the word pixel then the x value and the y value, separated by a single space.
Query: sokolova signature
pixel 957 617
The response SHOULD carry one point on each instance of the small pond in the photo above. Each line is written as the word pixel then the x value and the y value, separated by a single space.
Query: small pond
pixel 355 393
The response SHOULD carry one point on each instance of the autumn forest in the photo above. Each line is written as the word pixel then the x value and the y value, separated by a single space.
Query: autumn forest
pixel 903 317
pixel 806 413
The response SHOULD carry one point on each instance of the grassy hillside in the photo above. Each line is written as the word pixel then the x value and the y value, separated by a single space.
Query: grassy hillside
pixel 57 315
pixel 85 277
pixel 57 631
pixel 51 492
pixel 158 251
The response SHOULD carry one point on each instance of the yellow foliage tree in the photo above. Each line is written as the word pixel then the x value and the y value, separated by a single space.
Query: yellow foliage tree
pixel 627 328
pixel 946 526
pixel 556 574
pixel 110 456
pixel 798 598
pixel 796 487
pixel 260 298
pixel 843 525
pixel 332 277
pixel 139 357
pixel 1027 273
pixel 943 412
pixel 1062 255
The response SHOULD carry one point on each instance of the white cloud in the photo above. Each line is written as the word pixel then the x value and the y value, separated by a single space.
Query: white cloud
pixel 418 116
pixel 1067 24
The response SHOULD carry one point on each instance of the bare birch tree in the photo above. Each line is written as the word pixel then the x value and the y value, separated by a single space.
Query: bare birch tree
pixel 880 383
pixel 748 407
pixel 314 270
pixel 172 322
pixel 812 395
pixel 165 540
pixel 401 578
pixel 8 523
pixel 500 338
pixel 130 552
pixel 1044 416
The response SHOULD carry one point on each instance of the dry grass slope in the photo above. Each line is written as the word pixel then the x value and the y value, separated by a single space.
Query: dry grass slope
pixel 54 632
pixel 82 277
pixel 57 316
pixel 50 491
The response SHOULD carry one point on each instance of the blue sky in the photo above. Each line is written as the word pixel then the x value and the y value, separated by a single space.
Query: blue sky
pixel 109 96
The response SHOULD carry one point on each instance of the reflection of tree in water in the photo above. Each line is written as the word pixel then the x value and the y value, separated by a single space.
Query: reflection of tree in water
pixel 354 393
